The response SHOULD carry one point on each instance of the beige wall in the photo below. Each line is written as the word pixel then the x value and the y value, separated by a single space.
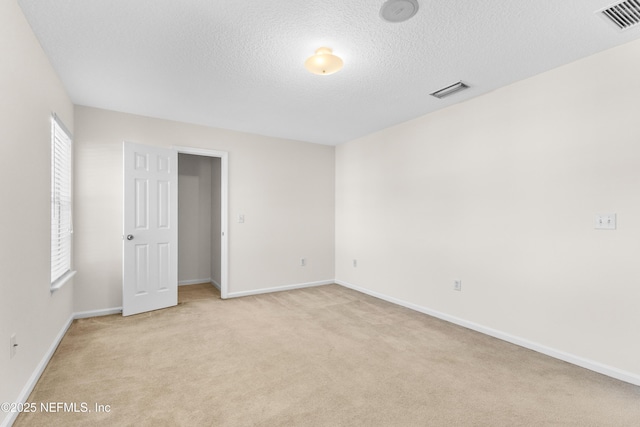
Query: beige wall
pixel 194 218
pixel 284 188
pixel 501 192
pixel 29 92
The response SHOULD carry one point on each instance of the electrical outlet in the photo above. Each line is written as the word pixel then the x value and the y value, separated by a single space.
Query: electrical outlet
pixel 13 343
pixel 303 262
pixel 355 262
pixel 241 218
pixel 457 285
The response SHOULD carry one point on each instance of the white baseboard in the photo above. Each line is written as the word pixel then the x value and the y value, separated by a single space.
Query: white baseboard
pixel 35 376
pixel 557 354
pixel 279 288
pixel 194 281
pixel 97 313
pixel 199 282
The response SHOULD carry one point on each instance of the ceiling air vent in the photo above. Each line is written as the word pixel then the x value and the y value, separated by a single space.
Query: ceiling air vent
pixel 449 90
pixel 624 15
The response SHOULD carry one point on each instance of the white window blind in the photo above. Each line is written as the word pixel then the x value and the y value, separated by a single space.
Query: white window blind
pixel 61 202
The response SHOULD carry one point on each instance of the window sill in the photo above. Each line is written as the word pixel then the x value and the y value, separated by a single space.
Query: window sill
pixel 62 281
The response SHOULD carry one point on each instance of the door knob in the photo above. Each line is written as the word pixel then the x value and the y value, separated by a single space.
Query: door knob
pixel 129 236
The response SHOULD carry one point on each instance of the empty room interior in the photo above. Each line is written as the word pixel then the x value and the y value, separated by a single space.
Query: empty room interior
pixel 399 212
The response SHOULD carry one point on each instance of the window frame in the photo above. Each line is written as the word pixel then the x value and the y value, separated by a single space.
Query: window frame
pixel 61 204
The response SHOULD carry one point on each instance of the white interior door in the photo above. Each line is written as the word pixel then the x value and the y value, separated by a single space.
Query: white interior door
pixel 150 233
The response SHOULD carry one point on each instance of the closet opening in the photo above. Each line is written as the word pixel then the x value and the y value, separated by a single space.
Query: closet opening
pixel 201 226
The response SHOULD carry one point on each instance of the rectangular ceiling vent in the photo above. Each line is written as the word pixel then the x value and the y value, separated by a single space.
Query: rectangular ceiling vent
pixel 624 15
pixel 449 90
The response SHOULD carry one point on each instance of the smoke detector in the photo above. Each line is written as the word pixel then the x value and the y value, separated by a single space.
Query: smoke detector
pixel 398 10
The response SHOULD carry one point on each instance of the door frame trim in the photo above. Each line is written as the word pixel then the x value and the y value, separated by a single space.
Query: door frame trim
pixel 224 208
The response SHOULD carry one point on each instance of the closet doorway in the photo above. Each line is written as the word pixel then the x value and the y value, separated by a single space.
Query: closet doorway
pixel 202 221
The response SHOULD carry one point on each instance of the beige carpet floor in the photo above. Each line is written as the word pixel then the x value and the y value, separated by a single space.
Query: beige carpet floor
pixel 325 356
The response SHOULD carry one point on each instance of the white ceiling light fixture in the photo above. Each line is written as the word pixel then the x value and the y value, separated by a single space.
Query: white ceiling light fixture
pixel 323 62
pixel 398 10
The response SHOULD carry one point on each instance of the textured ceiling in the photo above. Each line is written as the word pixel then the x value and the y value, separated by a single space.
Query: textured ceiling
pixel 238 64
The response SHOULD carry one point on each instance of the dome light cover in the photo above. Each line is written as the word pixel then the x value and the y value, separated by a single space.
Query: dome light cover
pixel 324 62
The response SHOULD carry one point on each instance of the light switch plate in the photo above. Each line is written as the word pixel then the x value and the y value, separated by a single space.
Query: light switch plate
pixel 605 221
